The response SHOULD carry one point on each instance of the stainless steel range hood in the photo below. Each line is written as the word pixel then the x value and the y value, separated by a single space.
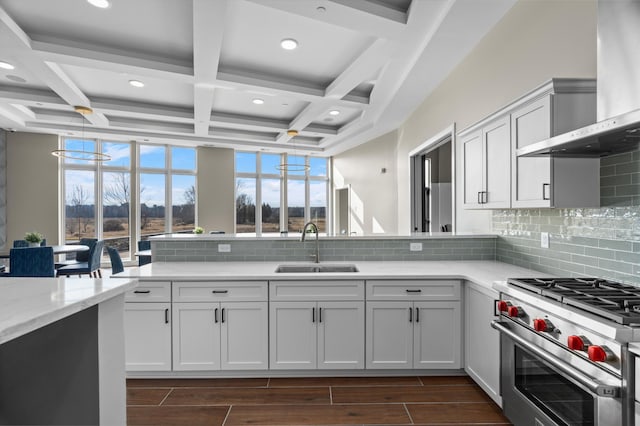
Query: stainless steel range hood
pixel 618 107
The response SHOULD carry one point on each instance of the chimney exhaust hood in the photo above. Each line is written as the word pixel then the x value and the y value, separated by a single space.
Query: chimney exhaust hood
pixel 618 91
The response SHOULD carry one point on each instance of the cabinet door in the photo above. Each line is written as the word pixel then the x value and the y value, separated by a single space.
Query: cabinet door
pixel 147 335
pixel 196 336
pixel 244 336
pixel 472 161
pixel 437 335
pixel 482 343
pixel 531 176
pixel 341 335
pixel 497 164
pixel 389 335
pixel 292 335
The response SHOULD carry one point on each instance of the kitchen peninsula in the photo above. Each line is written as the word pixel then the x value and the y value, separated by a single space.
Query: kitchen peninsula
pixel 62 351
pixel 375 307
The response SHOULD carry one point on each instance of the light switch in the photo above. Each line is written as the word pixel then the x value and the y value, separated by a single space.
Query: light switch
pixel 415 246
pixel 224 248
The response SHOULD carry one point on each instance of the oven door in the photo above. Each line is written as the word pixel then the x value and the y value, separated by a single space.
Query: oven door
pixel 541 389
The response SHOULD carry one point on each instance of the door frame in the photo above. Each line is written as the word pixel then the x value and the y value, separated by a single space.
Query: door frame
pixel 444 136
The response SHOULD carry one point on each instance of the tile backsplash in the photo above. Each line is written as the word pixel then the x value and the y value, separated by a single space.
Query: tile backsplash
pixel 602 242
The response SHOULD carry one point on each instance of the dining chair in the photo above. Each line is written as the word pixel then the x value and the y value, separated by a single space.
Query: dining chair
pixel 23 243
pixel 90 267
pixel 31 262
pixel 116 261
pixel 81 256
pixel 144 245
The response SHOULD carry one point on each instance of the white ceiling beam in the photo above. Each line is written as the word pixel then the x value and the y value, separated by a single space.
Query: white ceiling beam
pixel 378 9
pixel 209 18
pixel 142 110
pixel 96 57
pixel 25 96
pixel 341 15
pixel 12 116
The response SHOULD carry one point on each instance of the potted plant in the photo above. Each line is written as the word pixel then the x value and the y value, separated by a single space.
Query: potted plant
pixel 33 238
pixel 198 230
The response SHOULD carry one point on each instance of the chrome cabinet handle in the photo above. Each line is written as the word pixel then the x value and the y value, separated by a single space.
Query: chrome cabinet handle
pixel 546 186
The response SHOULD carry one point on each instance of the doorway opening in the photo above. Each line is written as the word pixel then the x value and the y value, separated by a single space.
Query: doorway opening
pixel 432 170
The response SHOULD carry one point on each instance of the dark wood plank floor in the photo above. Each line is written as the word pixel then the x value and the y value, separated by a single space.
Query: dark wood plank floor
pixel 311 401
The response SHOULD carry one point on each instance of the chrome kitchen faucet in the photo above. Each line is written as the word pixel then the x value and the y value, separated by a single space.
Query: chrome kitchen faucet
pixel 314 227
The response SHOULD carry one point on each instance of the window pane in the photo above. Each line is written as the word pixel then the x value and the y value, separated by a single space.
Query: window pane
pixel 79 205
pixel 318 166
pixel 245 162
pixel 270 163
pixel 152 156
pixel 295 165
pixel 152 203
pixel 183 158
pixel 245 205
pixel 81 148
pixel 120 154
pixel 295 199
pixel 183 195
pixel 318 203
pixel 116 196
pixel 270 205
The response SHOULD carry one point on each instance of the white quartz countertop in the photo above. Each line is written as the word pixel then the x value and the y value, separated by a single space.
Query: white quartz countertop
pixel 295 236
pixel 27 304
pixel 478 271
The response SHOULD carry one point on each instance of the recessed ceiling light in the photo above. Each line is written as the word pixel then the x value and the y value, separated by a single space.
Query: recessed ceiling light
pixel 102 4
pixel 136 83
pixel 334 112
pixel 321 9
pixel 292 133
pixel 289 44
pixel 258 101
pixel 6 65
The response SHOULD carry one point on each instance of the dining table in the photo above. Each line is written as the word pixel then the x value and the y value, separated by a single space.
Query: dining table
pixel 59 249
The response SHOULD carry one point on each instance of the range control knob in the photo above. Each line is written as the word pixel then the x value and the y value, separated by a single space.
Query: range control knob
pixel 503 305
pixel 542 324
pixel 578 343
pixel 599 353
pixel 515 311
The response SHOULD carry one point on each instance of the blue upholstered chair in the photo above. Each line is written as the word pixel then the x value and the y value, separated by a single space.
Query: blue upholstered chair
pixel 116 260
pixel 81 256
pixel 91 267
pixel 23 243
pixel 144 245
pixel 31 262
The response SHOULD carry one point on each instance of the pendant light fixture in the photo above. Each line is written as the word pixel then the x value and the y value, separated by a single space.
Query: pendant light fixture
pixel 76 154
pixel 293 167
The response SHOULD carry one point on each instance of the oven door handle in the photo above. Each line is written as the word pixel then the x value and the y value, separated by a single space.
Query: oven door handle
pixel 593 386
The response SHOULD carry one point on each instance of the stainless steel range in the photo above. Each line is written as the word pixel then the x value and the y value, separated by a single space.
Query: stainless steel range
pixel 564 350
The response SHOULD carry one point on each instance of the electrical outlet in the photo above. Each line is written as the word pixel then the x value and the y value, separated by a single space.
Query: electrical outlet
pixel 544 239
pixel 415 246
pixel 224 248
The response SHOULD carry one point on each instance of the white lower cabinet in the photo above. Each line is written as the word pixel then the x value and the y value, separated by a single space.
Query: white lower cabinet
pixel 317 335
pixel 420 335
pixel 220 325
pixel 220 336
pixel 147 325
pixel 482 343
pixel 316 325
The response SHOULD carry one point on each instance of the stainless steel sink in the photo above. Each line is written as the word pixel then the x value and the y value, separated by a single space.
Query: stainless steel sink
pixel 315 268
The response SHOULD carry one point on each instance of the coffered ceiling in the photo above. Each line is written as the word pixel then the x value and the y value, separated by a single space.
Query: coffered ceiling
pixel 360 67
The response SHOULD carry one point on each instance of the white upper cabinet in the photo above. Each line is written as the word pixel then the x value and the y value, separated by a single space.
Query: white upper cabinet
pixel 494 177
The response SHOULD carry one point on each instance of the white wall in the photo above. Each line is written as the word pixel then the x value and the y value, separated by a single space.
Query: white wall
pixel 535 41
pixel 373 193
pixel 32 186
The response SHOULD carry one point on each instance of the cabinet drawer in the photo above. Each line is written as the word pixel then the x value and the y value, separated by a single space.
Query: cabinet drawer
pixel 150 291
pixel 413 290
pixel 228 291
pixel 316 290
